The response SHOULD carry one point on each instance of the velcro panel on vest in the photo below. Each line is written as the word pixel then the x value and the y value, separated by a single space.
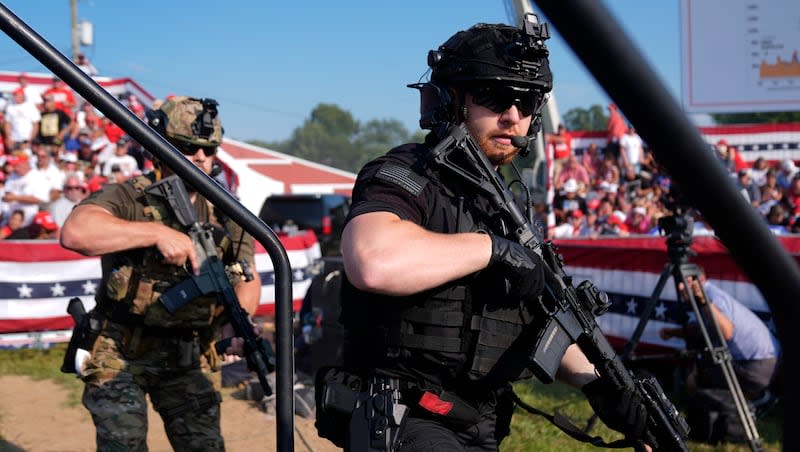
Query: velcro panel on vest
pixel 498 328
pixel 437 325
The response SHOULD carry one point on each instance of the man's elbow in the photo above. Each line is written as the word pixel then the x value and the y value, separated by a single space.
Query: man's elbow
pixel 368 275
pixel 728 333
pixel 363 279
pixel 73 239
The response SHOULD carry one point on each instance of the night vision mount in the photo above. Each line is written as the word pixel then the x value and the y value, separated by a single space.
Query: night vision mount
pixel 529 44
pixel 484 53
pixel 203 126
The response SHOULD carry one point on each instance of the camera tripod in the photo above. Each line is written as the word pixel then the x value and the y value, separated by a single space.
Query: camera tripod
pixel 679 239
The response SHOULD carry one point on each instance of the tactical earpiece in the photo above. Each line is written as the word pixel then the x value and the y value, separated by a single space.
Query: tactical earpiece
pixel 435 104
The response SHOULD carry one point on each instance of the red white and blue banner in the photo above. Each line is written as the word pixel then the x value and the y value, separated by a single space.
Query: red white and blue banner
pixel 628 269
pixel 38 278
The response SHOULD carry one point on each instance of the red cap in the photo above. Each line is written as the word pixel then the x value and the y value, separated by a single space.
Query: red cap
pixel 577 213
pixel 722 142
pixel 45 220
pixel 96 183
pixel 16 158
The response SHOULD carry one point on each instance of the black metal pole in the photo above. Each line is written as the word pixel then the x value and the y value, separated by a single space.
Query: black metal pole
pixel 62 67
pixel 616 63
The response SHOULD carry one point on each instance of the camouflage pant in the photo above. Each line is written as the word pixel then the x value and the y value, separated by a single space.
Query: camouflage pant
pixel 117 380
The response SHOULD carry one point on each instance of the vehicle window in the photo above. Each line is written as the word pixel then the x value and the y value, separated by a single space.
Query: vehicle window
pixel 304 212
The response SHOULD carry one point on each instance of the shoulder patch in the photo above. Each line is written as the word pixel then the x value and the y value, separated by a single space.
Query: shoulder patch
pixel 402 177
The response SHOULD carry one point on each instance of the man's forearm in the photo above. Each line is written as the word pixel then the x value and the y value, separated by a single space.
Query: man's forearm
pixel 249 293
pixel 92 230
pixel 387 255
pixel 575 369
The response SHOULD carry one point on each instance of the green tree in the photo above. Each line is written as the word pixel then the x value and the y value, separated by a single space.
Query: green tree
pixel 331 136
pixel 593 118
pixel 325 137
pixel 756 118
pixel 376 137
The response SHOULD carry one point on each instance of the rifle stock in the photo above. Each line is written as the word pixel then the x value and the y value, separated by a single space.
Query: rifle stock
pixel 570 312
pixel 211 279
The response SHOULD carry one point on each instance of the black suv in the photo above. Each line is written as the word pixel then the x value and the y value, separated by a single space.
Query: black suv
pixel 324 213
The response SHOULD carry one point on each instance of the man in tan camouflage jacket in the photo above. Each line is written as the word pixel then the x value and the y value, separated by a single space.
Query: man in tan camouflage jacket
pixel 142 349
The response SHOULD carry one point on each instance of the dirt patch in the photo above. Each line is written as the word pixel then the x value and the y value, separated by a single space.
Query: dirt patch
pixel 34 417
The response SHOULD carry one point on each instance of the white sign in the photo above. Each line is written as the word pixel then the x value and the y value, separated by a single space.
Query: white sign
pixel 740 55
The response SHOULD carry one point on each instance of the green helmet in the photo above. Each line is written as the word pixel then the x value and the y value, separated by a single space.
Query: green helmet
pixel 188 120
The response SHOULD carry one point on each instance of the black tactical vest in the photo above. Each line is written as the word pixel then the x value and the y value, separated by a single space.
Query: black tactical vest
pixel 461 332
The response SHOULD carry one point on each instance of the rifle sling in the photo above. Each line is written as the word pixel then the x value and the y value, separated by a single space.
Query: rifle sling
pixel 563 422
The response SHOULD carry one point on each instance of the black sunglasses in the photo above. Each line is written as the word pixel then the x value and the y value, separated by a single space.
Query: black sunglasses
pixel 500 98
pixel 191 149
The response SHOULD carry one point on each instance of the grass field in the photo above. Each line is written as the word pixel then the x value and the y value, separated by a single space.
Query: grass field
pixel 528 432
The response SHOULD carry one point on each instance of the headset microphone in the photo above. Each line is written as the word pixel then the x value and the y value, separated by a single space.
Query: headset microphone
pixel 520 141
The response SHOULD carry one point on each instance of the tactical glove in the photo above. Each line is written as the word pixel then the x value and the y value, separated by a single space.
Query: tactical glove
pixel 525 267
pixel 620 409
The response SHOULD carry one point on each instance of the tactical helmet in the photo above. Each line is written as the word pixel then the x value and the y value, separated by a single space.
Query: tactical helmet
pixel 495 53
pixel 188 120
pixel 481 55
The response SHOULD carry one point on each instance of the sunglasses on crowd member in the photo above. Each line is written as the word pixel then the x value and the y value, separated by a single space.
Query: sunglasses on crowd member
pixel 73 187
pixel 499 98
pixel 191 149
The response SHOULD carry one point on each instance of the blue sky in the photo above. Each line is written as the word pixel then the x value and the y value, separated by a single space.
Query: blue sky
pixel 269 63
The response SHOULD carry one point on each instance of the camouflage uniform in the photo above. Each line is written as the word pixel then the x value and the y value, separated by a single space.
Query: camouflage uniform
pixel 142 349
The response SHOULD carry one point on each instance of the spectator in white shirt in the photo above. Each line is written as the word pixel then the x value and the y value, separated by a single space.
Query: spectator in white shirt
pixel 32 94
pixel 22 122
pixel 28 190
pixel 45 165
pixel 631 150
pixel 124 163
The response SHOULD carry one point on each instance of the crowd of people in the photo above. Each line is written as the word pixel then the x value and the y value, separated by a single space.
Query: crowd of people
pixel 620 190
pixel 55 149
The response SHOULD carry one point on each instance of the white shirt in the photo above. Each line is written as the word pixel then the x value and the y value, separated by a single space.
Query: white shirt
pixel 633 148
pixel 32 184
pixel 22 117
pixel 60 209
pixel 53 175
pixel 33 95
pixel 127 164
pixel 565 231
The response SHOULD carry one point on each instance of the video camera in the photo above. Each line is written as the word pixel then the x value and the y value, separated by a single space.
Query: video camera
pixel 678 227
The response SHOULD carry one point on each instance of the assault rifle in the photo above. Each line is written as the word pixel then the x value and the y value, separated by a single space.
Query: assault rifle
pixel 213 277
pixel 570 311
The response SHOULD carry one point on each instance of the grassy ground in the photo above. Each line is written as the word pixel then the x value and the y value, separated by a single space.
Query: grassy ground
pixel 41 364
pixel 527 432
pixel 530 432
